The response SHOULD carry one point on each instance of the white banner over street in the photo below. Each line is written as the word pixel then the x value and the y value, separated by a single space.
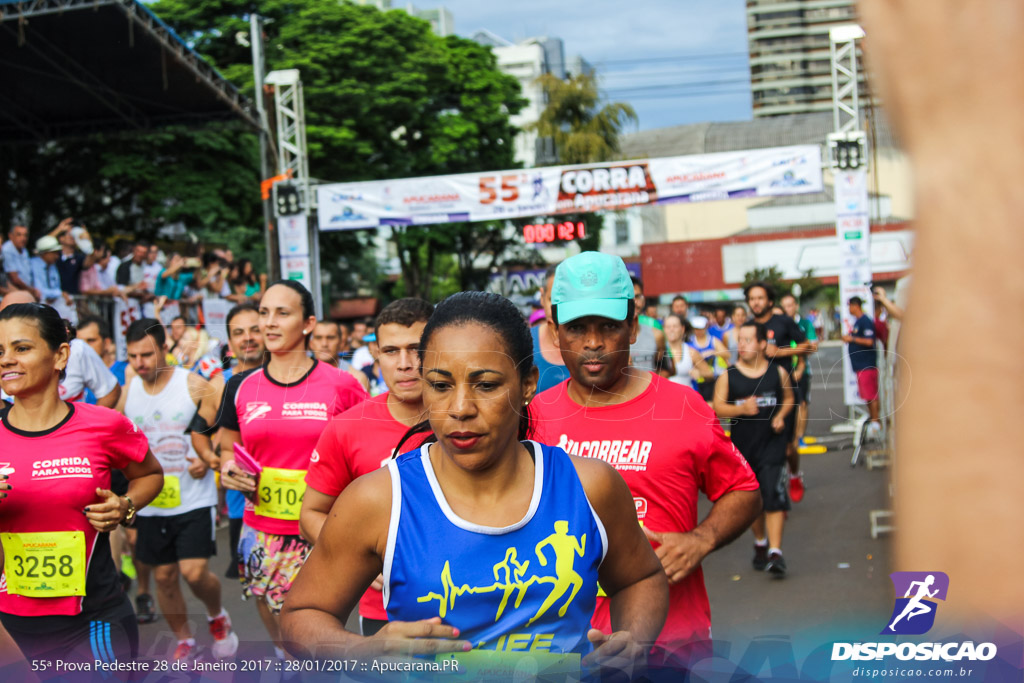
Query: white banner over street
pixel 293 245
pixel 557 190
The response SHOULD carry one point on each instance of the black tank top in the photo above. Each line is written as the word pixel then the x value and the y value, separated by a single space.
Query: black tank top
pixel 753 435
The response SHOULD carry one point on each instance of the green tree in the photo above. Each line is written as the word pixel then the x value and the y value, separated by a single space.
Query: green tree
pixel 385 98
pixel 810 286
pixel 770 275
pixel 134 183
pixel 582 132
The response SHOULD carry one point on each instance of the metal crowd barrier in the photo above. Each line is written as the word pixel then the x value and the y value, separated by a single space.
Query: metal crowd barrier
pixel 105 307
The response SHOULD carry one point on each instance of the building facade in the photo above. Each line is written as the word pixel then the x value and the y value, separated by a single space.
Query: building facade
pixel 790 59
pixel 527 61
pixel 441 20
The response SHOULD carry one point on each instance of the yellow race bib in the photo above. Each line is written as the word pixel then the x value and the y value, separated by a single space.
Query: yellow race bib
pixel 170 494
pixel 280 493
pixel 45 564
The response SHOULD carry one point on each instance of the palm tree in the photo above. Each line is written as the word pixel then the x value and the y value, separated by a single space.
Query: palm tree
pixel 582 133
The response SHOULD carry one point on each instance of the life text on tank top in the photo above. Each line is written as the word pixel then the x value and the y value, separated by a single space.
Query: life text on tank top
pixel 528 588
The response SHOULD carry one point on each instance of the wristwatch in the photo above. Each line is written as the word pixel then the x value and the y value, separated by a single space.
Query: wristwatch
pixel 129 517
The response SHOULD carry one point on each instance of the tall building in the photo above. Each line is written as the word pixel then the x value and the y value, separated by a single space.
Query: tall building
pixel 440 19
pixel 528 60
pixel 790 62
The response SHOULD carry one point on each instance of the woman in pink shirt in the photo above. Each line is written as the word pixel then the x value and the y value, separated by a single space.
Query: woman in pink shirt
pixel 277 413
pixel 60 597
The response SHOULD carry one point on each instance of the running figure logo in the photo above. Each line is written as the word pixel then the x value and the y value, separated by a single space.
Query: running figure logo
pixel 914 613
pixel 510 576
pixel 566 548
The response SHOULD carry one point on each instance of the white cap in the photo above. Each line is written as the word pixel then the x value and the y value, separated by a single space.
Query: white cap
pixel 699 322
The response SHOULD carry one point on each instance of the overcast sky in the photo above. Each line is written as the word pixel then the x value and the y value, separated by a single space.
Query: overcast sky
pixel 675 61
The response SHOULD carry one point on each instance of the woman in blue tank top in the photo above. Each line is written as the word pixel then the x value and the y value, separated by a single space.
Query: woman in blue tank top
pixel 486 541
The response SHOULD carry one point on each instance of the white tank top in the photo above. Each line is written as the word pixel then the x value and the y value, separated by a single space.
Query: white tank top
pixel 683 365
pixel 734 348
pixel 163 418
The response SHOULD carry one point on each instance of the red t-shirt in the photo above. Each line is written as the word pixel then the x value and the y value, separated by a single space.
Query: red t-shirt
pixel 357 442
pixel 55 474
pixel 668 445
pixel 280 425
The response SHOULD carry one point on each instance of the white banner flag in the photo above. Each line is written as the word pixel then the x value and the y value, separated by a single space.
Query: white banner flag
pixel 215 313
pixel 557 190
pixel 125 313
pixel 170 311
pixel 853 231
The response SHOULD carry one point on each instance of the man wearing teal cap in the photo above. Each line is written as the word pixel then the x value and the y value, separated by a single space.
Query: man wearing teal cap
pixel 661 437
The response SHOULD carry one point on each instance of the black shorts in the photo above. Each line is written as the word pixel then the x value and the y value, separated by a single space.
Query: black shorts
pixel 790 430
pixel 790 425
pixel 706 389
pixel 804 387
pixel 774 481
pixel 370 627
pixel 165 540
pixel 110 633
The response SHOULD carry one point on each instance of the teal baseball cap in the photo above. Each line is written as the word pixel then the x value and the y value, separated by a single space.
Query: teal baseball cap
pixel 591 283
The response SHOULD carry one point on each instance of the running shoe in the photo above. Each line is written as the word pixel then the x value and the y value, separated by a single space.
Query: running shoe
pixel 776 565
pixel 145 610
pixel 184 651
pixel 760 560
pixel 796 487
pixel 225 641
pixel 874 431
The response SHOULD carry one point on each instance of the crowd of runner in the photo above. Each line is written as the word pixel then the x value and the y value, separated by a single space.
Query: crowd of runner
pixel 466 477
pixel 65 268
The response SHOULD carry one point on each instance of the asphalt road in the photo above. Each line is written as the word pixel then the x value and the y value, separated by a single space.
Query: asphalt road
pixel 838 575
pixel 837 572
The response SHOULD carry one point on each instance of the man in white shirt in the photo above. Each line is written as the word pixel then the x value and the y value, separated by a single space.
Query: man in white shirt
pixel 86 369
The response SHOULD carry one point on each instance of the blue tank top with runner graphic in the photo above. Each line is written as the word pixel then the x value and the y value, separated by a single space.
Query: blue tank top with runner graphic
pixel 529 587
pixel 714 362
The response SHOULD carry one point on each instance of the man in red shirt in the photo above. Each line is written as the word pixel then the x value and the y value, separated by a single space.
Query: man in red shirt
pixel 364 438
pixel 661 437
